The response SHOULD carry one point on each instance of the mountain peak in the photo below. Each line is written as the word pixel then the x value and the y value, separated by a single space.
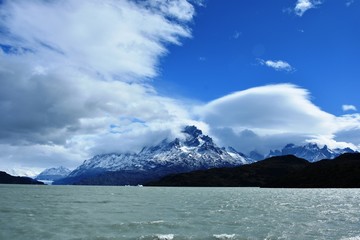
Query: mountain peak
pixel 312 146
pixel 192 131
pixel 53 173
pixel 197 151
pixel 195 137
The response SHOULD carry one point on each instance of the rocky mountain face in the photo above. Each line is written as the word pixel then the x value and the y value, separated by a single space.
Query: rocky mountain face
pixel 196 151
pixel 52 174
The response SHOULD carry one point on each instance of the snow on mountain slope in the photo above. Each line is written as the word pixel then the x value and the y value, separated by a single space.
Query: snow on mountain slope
pixel 53 173
pixel 195 151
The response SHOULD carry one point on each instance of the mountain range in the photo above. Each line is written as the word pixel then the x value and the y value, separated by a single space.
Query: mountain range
pixel 195 151
pixel 311 152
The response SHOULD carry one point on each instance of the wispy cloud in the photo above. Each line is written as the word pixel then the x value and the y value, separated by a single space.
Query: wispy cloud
pixel 278 65
pixel 236 35
pixel 349 2
pixel 180 9
pixel 304 5
pixel 347 107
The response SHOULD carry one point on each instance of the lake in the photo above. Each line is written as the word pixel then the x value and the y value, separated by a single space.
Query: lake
pixel 94 212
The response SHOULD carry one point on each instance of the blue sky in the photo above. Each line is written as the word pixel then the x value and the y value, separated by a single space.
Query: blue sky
pixel 229 38
pixel 80 78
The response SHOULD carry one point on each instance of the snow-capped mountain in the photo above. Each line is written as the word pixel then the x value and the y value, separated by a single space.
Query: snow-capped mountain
pixel 311 152
pixel 52 174
pixel 196 151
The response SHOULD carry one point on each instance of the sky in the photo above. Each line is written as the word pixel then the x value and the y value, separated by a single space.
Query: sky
pixel 80 78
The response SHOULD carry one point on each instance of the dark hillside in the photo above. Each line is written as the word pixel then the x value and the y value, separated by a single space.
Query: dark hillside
pixel 279 172
pixel 8 179
pixel 258 174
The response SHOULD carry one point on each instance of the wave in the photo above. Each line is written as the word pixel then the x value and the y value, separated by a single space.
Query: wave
pixel 158 237
pixel 351 238
pixel 224 236
pixel 165 236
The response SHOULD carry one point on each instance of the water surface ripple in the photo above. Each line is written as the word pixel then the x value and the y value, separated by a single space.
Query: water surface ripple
pixel 89 212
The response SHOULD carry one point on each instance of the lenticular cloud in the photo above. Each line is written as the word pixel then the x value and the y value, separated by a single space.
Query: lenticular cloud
pixel 271 116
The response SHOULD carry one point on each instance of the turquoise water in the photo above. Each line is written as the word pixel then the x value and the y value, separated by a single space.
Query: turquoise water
pixel 88 212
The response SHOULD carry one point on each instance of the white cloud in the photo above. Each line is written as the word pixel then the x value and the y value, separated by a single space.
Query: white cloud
pixel 71 71
pixel 270 109
pixel 271 116
pixel 303 5
pixel 277 65
pixel 110 37
pixel 347 107
pixel 350 130
pixel 29 160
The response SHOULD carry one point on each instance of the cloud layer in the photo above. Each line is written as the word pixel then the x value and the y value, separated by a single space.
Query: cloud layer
pixel 74 77
pixel 111 38
pixel 271 116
